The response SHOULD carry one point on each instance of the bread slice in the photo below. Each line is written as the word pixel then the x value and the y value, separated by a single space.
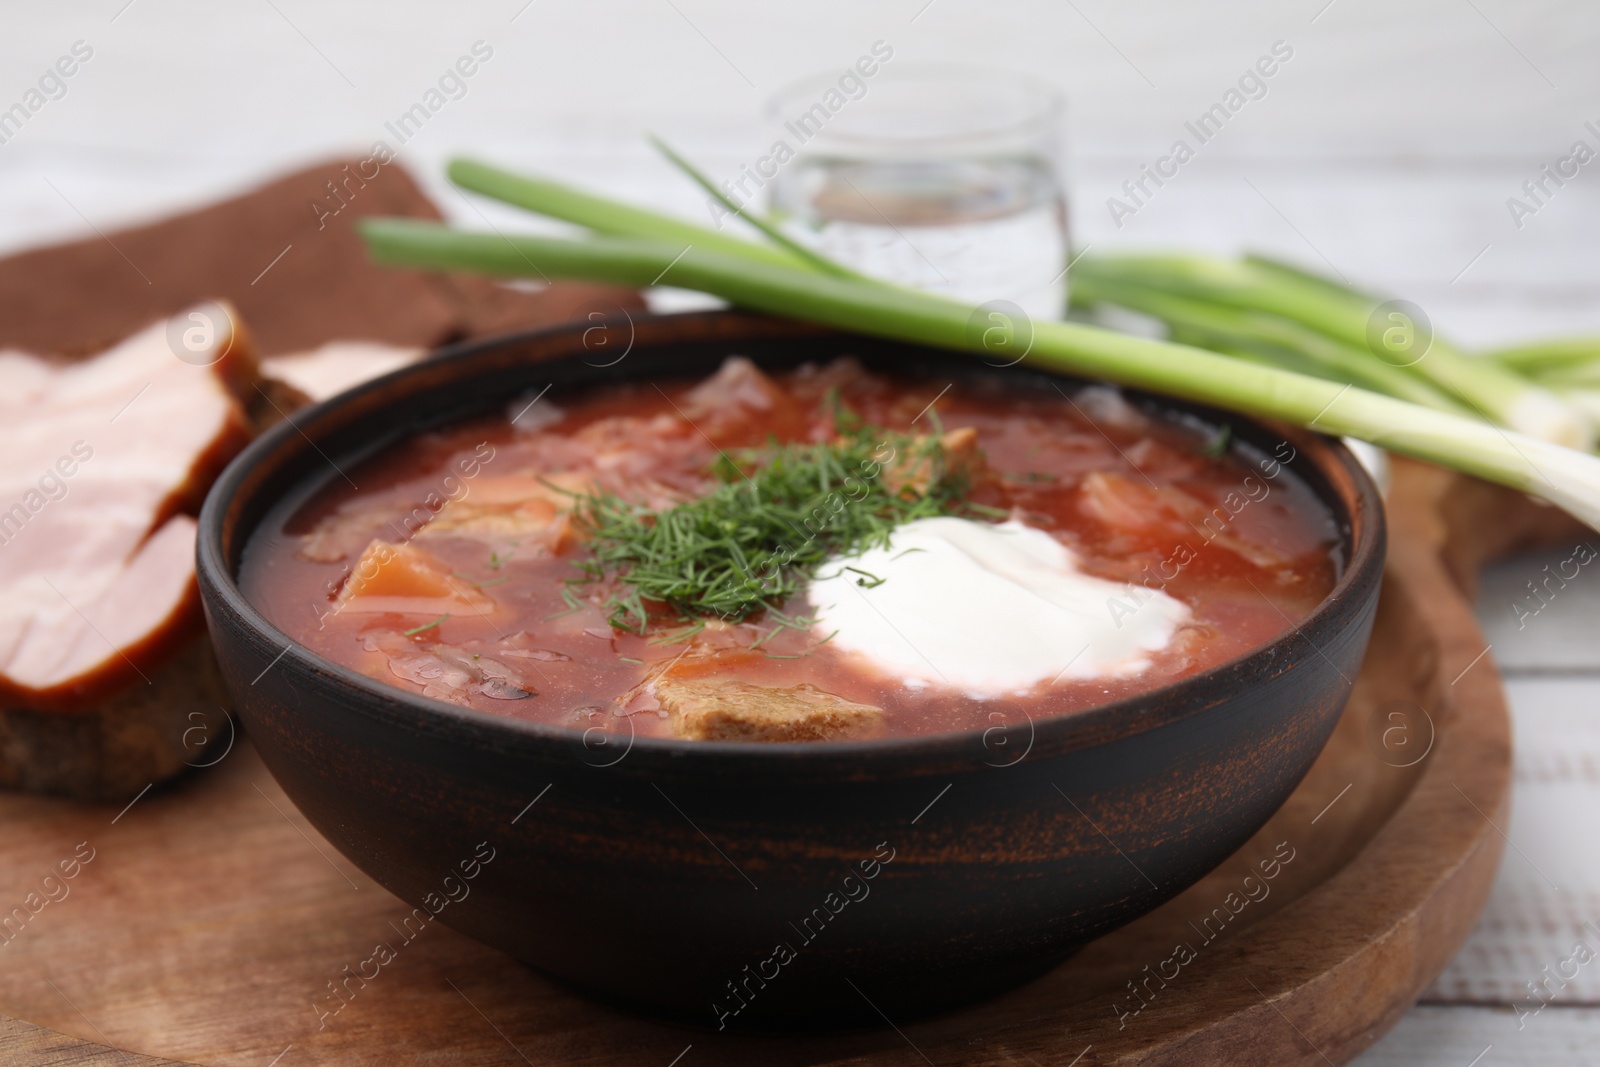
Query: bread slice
pixel 102 650
pixel 126 742
pixel 740 711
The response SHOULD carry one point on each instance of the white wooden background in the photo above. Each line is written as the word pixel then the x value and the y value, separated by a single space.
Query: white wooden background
pixel 1386 148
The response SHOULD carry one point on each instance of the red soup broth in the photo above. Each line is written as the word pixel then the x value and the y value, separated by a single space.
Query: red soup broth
pixel 1140 499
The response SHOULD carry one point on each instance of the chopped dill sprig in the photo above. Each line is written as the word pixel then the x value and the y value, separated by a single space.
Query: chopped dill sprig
pixel 868 580
pixel 845 420
pixel 573 603
pixel 777 514
pixel 1217 447
pixel 679 636
pixel 782 622
pixel 415 630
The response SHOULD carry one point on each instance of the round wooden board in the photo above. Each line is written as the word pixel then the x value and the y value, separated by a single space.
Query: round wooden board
pixel 211 921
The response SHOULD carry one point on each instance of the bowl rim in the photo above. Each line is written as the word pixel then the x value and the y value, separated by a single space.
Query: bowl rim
pixel 1135 714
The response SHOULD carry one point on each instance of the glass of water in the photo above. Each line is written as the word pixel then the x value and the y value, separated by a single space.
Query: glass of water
pixel 942 178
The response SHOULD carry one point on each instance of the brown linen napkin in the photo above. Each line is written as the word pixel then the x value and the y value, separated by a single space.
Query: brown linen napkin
pixel 287 256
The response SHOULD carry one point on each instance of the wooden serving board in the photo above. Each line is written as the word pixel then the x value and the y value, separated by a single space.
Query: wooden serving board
pixel 211 919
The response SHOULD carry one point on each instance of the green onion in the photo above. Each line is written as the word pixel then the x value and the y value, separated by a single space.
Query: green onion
pixel 1345 316
pixel 1568 367
pixel 772 233
pixel 601 214
pixel 1584 399
pixel 1264 338
pixel 767 279
pixel 1257 309
pixel 1574 360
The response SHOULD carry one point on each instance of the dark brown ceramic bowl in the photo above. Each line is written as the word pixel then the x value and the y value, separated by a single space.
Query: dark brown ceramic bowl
pixel 782 886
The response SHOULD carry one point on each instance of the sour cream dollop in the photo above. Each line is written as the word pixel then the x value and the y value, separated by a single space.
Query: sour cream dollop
pixel 987 609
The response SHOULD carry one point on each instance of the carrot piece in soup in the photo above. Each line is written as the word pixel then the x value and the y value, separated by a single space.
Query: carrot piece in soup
pixel 408 580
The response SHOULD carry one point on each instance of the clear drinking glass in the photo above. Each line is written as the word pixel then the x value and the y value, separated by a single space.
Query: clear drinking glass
pixel 943 178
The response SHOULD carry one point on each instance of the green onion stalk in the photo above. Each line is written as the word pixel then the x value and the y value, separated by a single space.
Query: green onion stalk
pixel 1257 309
pixel 1564 476
pixel 1354 322
pixel 601 214
pixel 1557 361
pixel 1568 367
pixel 1269 339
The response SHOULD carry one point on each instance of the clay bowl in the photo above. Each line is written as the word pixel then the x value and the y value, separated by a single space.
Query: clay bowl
pixel 786 887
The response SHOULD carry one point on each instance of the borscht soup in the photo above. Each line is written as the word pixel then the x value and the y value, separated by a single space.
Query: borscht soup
pixel 822 553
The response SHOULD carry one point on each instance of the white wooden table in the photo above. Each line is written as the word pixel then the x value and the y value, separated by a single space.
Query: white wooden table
pixel 1386 149
pixel 1547 897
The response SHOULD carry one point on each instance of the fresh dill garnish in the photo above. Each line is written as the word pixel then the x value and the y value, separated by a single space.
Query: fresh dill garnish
pixel 686 633
pixel 845 420
pixel 868 580
pixel 1217 447
pixel 415 630
pixel 572 602
pixel 782 622
pixel 777 514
